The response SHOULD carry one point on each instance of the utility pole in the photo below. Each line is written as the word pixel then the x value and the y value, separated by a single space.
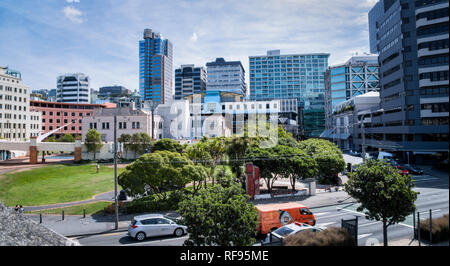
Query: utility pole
pixel 116 207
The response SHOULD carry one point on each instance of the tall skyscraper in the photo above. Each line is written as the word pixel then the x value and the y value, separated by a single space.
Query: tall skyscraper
pixel 73 88
pixel 412 39
pixel 189 80
pixel 155 68
pixel 357 76
pixel 299 76
pixel 226 76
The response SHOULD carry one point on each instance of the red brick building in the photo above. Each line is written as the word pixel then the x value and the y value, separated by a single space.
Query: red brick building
pixel 55 115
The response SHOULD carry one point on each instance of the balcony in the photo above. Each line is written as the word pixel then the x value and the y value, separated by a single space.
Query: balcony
pixel 427 52
pixel 428 82
pixel 425 22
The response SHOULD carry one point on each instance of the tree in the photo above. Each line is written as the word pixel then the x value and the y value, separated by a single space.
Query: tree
pixel 236 149
pixel 125 139
pixel 384 194
pixel 167 145
pixel 140 142
pixel 219 216
pixel 156 173
pixel 93 141
pixel 216 149
pixel 328 156
pixel 265 159
pixel 51 139
pixel 67 138
pixel 199 155
pixel 195 174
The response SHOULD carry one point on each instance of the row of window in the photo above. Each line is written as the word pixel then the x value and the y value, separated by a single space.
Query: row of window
pixel 435 121
pixel 122 125
pixel 65 113
pixel 433 29
pixel 11 107
pixel 434 45
pixel 8 88
pixel 433 14
pixel 435 76
pixel 434 59
pixel 435 107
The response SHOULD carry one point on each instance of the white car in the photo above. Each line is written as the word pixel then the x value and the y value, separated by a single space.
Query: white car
pixel 151 225
pixel 290 229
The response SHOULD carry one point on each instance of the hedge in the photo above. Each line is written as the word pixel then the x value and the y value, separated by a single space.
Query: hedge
pixel 332 236
pixel 439 229
pixel 153 203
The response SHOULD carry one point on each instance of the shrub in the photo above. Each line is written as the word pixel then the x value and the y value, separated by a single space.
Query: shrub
pixel 153 203
pixel 111 207
pixel 439 229
pixel 332 236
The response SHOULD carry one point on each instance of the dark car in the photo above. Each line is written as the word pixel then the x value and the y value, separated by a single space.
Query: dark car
pixel 122 195
pixel 412 169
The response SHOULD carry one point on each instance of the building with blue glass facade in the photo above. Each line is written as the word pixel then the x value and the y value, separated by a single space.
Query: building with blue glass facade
pixel 155 68
pixel 188 80
pixel 293 76
pixel 412 40
pixel 357 76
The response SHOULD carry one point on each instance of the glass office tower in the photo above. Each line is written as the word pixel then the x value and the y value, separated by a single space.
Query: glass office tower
pixel 357 76
pixel 294 76
pixel 155 68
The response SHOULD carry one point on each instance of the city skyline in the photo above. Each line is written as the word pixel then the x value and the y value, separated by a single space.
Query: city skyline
pixel 72 36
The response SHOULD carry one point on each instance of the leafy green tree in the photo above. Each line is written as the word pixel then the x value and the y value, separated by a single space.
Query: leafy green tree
pixel 384 194
pixel 93 141
pixel 125 139
pixel 167 145
pixel 328 156
pixel 216 149
pixel 199 155
pixel 139 143
pixel 51 139
pixel 157 173
pixel 267 163
pixel 196 174
pixel 236 149
pixel 67 138
pixel 219 216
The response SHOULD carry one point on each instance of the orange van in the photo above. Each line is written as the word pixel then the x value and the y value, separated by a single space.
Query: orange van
pixel 273 216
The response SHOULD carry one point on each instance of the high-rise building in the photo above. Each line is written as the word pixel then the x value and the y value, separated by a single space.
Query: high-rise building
pixel 292 76
pixel 226 76
pixel 73 88
pixel 412 39
pixel 17 121
pixel 155 68
pixel 113 91
pixel 189 80
pixel 357 76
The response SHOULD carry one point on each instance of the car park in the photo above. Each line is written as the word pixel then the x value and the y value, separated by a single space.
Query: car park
pixel 152 225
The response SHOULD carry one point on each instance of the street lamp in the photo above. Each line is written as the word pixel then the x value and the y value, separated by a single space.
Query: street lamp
pixel 153 105
pixel 116 207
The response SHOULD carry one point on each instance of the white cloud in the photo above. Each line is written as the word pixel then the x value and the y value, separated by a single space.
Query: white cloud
pixel 194 37
pixel 73 14
pixel 73 1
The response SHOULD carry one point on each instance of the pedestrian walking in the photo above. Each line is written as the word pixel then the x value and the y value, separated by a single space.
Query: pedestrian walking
pixel 98 167
pixel 17 208
pixel 20 209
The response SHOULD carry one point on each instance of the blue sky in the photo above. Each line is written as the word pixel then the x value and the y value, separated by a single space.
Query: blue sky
pixel 46 38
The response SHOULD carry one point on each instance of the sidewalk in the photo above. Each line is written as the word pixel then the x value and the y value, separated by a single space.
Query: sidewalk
pixel 412 243
pixel 76 225
pixel 319 200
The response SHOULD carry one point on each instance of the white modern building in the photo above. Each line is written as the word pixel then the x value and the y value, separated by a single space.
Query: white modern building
pixel 17 122
pixel 73 88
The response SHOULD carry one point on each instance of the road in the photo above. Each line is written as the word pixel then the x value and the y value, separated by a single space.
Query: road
pixel 434 194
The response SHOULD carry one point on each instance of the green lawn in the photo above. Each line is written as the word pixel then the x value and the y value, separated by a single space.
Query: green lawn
pixel 55 184
pixel 91 208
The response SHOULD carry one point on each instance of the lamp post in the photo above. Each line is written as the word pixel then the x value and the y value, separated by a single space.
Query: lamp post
pixel 153 105
pixel 116 207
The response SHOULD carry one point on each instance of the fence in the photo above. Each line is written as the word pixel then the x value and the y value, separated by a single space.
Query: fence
pixel 423 227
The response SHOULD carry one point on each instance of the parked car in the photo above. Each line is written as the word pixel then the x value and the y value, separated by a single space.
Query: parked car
pixel 385 156
pixel 402 170
pixel 151 225
pixel 290 229
pixel 413 169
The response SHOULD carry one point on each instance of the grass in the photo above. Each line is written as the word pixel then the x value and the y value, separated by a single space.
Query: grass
pixel 91 208
pixel 55 184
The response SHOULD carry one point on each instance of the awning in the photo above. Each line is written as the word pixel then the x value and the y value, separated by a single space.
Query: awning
pixel 340 136
pixel 326 134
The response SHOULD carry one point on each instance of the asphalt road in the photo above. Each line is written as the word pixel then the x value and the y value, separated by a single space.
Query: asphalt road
pixel 434 194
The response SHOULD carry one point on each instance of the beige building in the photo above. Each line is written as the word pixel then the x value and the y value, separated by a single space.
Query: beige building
pixel 17 122
pixel 129 121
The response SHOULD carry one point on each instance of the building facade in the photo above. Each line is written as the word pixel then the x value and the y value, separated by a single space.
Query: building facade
pixel 357 76
pixel 227 76
pixel 293 76
pixel 69 116
pixel 73 88
pixel 113 91
pixel 412 41
pixel 155 68
pixel 129 121
pixel 188 80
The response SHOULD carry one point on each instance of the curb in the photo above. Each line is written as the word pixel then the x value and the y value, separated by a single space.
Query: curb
pixel 99 233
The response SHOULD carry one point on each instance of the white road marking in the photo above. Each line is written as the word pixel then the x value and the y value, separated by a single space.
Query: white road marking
pixel 367 224
pixel 320 213
pixel 364 235
pixel 364 216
